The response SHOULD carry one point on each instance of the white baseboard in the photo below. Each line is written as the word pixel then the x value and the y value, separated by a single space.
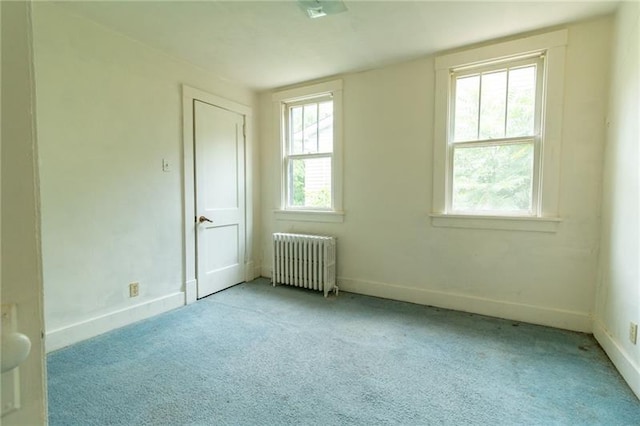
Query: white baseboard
pixel 251 271
pixel 265 271
pixel 65 336
pixel 629 369
pixel 191 291
pixel 568 320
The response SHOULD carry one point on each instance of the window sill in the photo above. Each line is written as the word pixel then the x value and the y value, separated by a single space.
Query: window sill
pixel 503 223
pixel 309 216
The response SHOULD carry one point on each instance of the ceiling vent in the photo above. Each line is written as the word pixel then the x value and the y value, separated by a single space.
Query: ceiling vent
pixel 319 8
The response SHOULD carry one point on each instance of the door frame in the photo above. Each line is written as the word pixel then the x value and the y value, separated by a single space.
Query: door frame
pixel 189 95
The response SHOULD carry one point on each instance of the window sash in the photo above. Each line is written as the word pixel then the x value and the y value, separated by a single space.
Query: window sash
pixel 535 187
pixel 494 66
pixel 289 181
pixel 288 107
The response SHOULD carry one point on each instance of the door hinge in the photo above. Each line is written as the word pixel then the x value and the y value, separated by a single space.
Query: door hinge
pixel 244 130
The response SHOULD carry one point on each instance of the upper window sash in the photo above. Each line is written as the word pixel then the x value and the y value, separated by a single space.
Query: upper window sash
pixel 507 65
pixel 324 139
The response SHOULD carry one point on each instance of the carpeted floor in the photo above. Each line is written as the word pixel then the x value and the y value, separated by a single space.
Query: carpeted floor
pixel 258 355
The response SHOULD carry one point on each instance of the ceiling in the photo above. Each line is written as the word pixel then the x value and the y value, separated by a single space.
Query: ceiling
pixel 268 44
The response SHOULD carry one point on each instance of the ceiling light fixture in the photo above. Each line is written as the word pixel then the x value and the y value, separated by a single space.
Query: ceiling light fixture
pixel 315 12
pixel 319 8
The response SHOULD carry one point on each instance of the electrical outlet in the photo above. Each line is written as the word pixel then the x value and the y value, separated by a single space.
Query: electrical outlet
pixel 134 289
pixel 633 332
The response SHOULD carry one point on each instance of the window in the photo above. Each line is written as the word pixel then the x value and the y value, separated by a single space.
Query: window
pixel 310 152
pixel 495 137
pixel 497 134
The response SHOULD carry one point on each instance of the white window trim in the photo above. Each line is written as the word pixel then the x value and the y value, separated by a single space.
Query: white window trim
pixel 553 46
pixel 505 223
pixel 280 99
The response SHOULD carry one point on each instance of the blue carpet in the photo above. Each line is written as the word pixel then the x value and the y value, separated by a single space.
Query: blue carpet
pixel 258 355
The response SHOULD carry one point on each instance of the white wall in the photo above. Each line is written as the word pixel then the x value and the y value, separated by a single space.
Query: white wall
pixel 618 297
pixel 387 246
pixel 21 261
pixel 109 112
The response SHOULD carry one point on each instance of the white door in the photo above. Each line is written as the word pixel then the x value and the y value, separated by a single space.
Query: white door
pixel 220 210
pixel 23 398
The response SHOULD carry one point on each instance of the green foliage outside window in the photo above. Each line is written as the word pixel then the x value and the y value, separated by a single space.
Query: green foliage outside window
pixel 298 179
pixel 493 177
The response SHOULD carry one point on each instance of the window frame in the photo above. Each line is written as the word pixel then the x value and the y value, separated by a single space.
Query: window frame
pixel 535 138
pixel 289 156
pixel 283 101
pixel 545 215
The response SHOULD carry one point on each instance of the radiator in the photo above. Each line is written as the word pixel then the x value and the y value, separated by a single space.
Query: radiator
pixel 307 261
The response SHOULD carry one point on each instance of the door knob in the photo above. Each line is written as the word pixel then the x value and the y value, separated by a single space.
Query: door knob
pixel 15 346
pixel 203 219
pixel 15 349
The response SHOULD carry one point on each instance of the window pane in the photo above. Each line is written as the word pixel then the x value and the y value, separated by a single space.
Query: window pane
pixel 493 178
pixel 310 117
pixel 295 129
pixel 466 114
pixel 325 126
pixel 310 183
pixel 493 104
pixel 522 101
